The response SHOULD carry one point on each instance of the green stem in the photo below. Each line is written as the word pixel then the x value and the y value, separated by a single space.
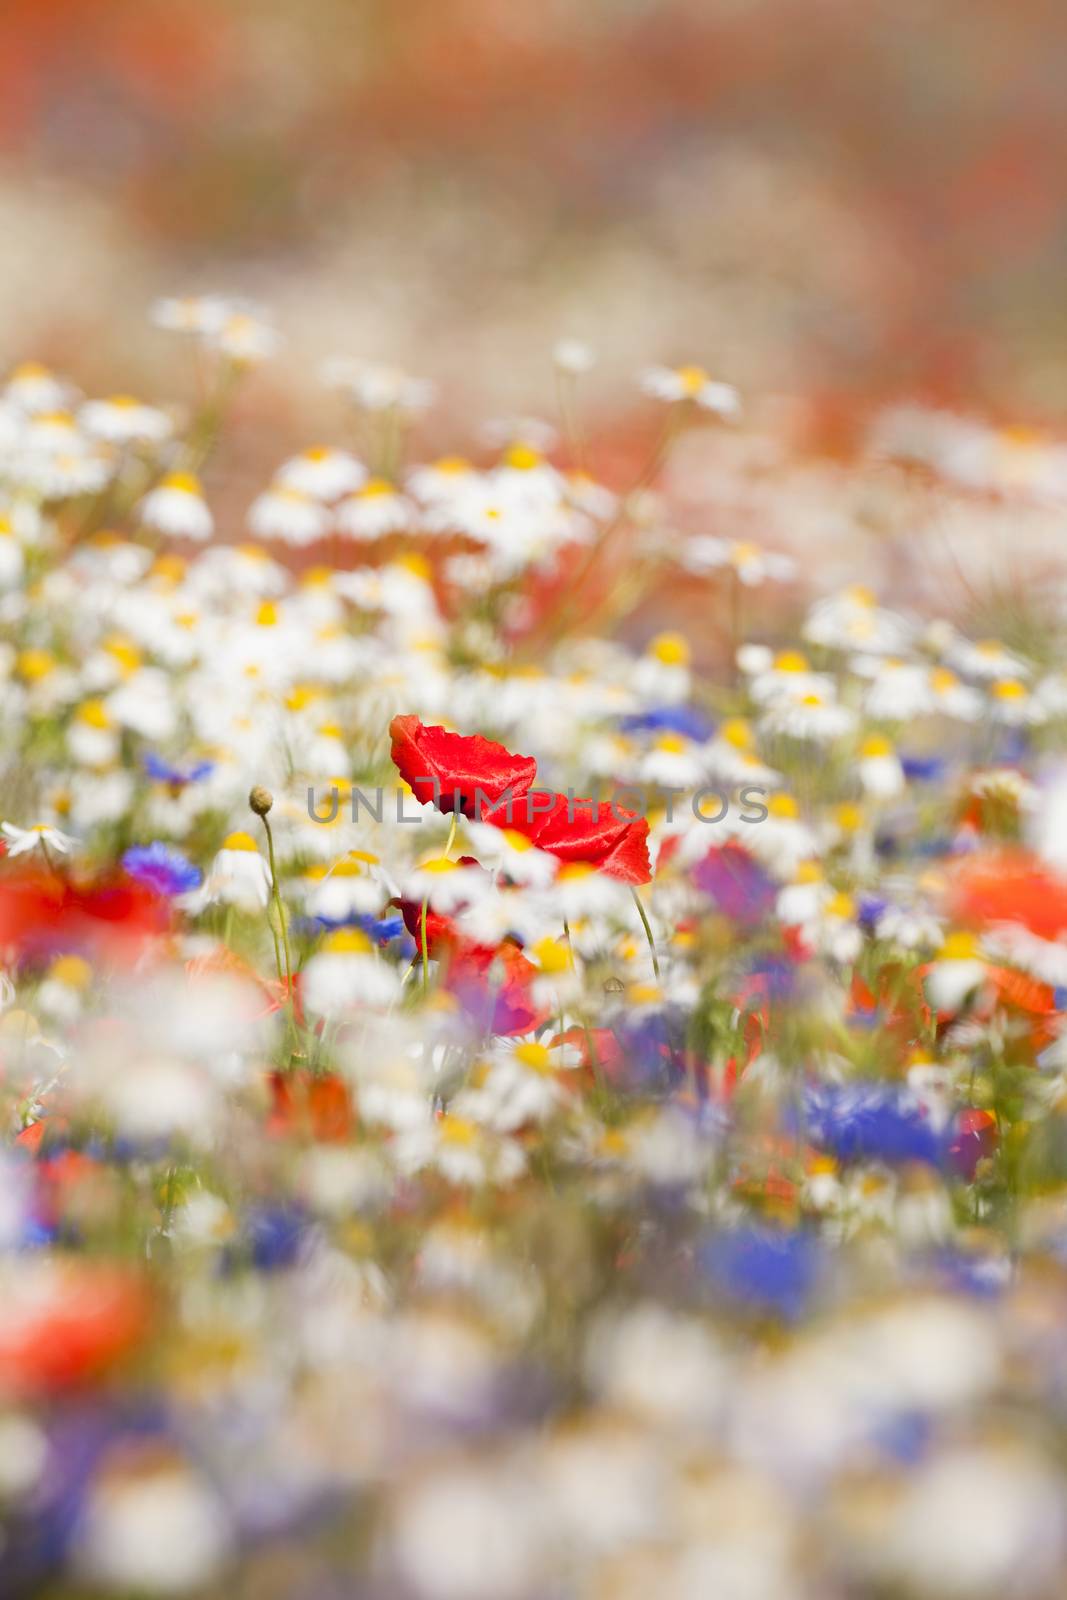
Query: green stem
pixel 276 892
pixel 641 912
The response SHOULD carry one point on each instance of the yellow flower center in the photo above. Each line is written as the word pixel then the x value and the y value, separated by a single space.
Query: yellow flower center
pixel 457 1130
pixel 737 732
pixel 348 942
pixel 875 745
pixel 72 971
pixel 692 379
pixel 94 714
pixel 672 649
pixel 790 661
pixel 522 457
pixel 535 1056
pixel 959 946
pixel 183 482
pixel 240 841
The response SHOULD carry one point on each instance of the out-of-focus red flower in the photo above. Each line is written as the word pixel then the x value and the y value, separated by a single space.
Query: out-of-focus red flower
pixel 1009 886
pixel 43 915
pixel 317 1105
pixel 456 771
pixel 493 985
pixel 491 982
pixel 600 1048
pixel 66 1322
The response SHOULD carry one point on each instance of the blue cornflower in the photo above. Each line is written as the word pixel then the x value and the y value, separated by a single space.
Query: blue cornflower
pixel 686 720
pixel 178 777
pixel 871 908
pixel 869 1122
pixel 773 1272
pixel 275 1236
pixel 161 867
pixel 922 769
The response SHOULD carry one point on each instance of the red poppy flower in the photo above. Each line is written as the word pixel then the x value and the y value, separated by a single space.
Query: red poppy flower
pixel 1010 886
pixel 483 779
pixel 605 836
pixel 491 982
pixel 42 916
pixel 457 771
pixel 318 1106
pixel 66 1321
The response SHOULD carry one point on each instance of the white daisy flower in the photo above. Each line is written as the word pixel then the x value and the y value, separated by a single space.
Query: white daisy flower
pixel 353 886
pixel 245 339
pixel 789 678
pixel 63 477
pixel 177 508
pixel 520 1086
pixel 346 973
pixel 1012 704
pixel 752 565
pixel 239 875
pixel 445 885
pixel 375 510
pixel 437 483
pixel 93 738
pixel 853 620
pixel 880 771
pixel 812 716
pixel 676 384
pixel 122 419
pixel 33 389
pixel 21 841
pixel 202 315
pixel 988 660
pixel 322 471
pixel 289 515
pixel 505 851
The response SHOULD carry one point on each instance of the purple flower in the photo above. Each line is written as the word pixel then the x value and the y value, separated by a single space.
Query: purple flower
pixel 737 884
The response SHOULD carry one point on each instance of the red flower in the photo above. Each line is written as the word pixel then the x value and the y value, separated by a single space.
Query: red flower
pixel 42 916
pixel 605 836
pixel 484 780
pixel 316 1106
pixel 66 1322
pixel 456 771
pixel 491 981
pixel 1010 886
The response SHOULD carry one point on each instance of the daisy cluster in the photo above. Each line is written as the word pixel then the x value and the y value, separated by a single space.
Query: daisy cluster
pixel 490 1110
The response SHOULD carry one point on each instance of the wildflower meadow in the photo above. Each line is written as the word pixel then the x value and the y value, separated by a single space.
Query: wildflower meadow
pixel 533 946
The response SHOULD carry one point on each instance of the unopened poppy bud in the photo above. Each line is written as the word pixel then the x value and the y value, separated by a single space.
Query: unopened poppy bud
pixel 260 800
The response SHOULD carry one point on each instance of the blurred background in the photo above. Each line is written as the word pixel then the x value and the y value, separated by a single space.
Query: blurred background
pixel 827 203
pixel 804 193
